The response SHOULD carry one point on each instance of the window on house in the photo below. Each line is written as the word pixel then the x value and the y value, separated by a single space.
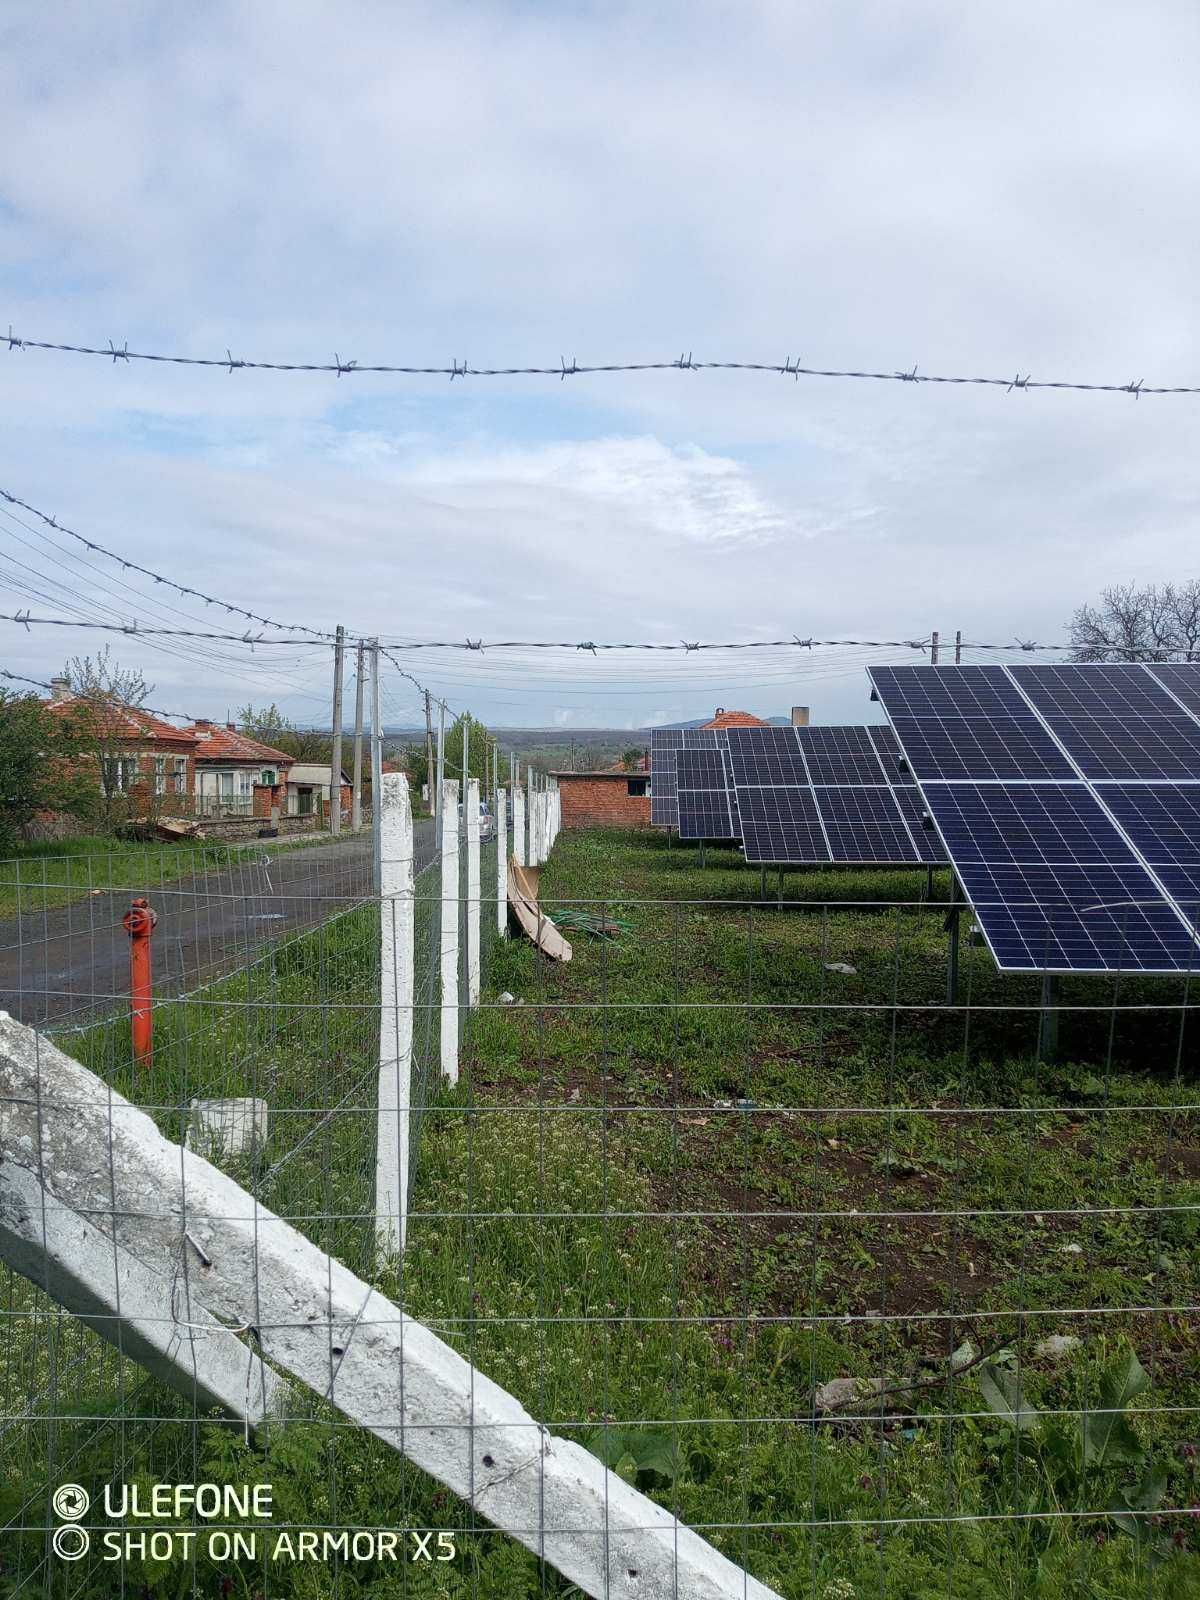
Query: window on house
pixel 119 773
pixel 267 776
pixel 636 786
pixel 180 774
pixel 160 774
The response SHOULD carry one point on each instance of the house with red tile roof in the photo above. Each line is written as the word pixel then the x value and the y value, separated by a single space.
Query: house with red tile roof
pixel 237 775
pixel 734 719
pixel 142 763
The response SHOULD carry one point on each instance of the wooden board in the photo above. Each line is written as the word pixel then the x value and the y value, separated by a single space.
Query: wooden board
pixel 534 923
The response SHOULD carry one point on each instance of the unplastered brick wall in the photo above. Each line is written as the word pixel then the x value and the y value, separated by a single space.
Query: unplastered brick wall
pixel 593 800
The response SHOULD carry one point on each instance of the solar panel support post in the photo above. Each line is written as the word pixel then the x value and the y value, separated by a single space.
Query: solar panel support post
pixel 929 883
pixel 781 888
pixel 702 859
pixel 952 928
pixel 762 883
pixel 1048 1019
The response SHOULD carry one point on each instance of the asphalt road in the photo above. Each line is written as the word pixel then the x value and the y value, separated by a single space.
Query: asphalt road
pixel 69 964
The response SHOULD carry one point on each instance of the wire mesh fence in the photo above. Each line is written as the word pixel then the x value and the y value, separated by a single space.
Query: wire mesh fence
pixel 845 1282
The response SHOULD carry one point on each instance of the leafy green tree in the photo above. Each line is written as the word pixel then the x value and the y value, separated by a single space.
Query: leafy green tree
pixel 39 767
pixel 269 726
pixel 630 758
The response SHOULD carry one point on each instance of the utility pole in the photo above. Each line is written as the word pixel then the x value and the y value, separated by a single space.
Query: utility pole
pixel 466 772
pixel 933 648
pixel 429 756
pixel 376 768
pixel 356 802
pixel 335 765
pixel 958 648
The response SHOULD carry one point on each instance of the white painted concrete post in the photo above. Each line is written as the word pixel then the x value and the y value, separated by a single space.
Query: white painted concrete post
pixel 474 909
pixel 396 997
pixel 73 1145
pixel 450 899
pixel 501 862
pixel 518 844
pixel 531 813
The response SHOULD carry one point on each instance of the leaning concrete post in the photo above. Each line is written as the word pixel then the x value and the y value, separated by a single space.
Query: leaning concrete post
pixel 396 964
pixel 501 862
pixel 450 904
pixel 86 1152
pixel 473 906
pixel 518 842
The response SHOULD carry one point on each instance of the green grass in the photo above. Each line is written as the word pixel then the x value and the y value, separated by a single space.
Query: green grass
pixel 51 873
pixel 670 1197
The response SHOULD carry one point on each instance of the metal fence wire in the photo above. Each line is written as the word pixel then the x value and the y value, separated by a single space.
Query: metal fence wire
pixel 752 1250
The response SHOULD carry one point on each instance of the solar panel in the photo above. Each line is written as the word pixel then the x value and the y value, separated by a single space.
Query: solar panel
pixel 1074 865
pixel 1115 721
pixel 664 743
pixel 1182 679
pixel 781 826
pixel 703 795
pixel 1163 821
pixel 976 724
pixel 864 825
pixel 1054 884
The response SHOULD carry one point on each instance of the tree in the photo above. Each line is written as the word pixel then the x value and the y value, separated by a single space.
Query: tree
pixel 631 758
pixel 1157 622
pixel 39 770
pixel 269 726
pixel 103 689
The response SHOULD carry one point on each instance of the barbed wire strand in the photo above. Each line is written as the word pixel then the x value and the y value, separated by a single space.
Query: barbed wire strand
pixel 788 368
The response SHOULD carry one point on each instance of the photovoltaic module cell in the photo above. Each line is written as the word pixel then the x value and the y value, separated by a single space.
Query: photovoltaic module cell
pixel 1114 721
pixel 781 826
pixel 664 743
pixel 864 826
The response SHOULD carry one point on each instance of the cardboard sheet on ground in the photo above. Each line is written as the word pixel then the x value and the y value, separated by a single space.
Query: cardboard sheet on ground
pixel 523 898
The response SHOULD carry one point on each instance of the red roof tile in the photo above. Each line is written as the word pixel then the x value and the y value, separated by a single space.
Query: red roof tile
pixel 735 719
pixel 116 721
pixel 218 743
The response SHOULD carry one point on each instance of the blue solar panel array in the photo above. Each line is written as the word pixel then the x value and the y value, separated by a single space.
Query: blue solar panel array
pixel 703 795
pixel 1047 785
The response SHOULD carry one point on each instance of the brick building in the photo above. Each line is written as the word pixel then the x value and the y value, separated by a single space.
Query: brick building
pixel 619 798
pixel 236 775
pixel 139 760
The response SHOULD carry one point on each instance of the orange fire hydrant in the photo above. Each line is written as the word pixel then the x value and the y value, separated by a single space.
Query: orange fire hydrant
pixel 139 923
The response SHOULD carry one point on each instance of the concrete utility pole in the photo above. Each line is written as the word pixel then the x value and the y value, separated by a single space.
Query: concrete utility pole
pixel 958 648
pixel 466 770
pixel 376 763
pixel 429 756
pixel 933 648
pixel 335 765
pixel 356 802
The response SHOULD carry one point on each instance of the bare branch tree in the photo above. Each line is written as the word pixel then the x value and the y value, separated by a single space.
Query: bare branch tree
pixel 1155 622
pixel 104 690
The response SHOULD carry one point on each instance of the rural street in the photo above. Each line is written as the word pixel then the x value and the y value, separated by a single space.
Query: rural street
pixel 71 963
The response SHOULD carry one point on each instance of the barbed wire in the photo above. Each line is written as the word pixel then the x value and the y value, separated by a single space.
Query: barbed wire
pixel 788 368
pixel 159 577
pixel 133 629
pixel 479 646
pixel 125 705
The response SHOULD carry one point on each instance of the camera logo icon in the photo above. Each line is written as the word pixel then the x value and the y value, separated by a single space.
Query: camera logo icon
pixel 70 1502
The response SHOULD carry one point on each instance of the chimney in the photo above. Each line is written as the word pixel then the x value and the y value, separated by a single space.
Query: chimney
pixel 231 727
pixel 60 689
pixel 799 716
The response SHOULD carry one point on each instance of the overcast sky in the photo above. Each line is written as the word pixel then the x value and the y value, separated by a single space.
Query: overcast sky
pixel 984 189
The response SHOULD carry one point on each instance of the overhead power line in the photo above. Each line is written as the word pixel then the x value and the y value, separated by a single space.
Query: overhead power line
pixel 788 368
pixel 159 577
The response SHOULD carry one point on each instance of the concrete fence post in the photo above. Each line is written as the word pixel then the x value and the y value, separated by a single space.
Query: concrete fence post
pixel 518 844
pixel 531 815
pixel 501 862
pixel 76 1150
pixel 474 908
pixel 450 902
pixel 396 965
